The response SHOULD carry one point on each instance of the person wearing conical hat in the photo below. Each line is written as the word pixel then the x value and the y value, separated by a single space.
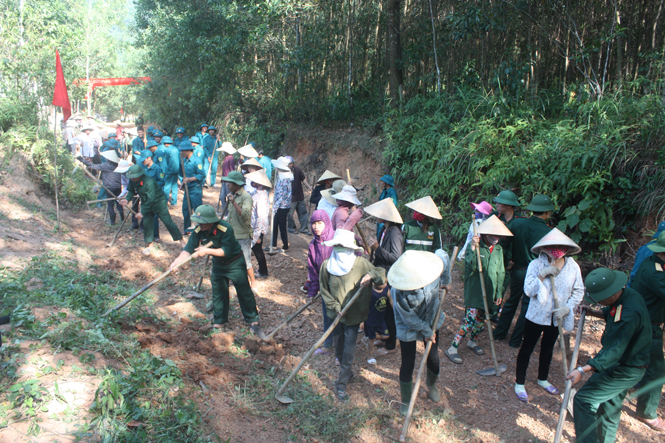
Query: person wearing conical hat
pixel 325 182
pixel 554 260
pixel 210 145
pixel 340 278
pixel 420 233
pixel 388 191
pixel 228 165
pixel 153 205
pixel 486 242
pixel 85 142
pixel 481 212
pixel 619 365
pixel 526 233
pixel 110 178
pixel 328 203
pixel 260 219
pixel 649 282
pixel 248 167
pixel 228 263
pixel 414 279
pixel 386 252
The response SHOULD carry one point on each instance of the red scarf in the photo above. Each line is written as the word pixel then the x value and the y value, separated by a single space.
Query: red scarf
pixel 556 252
pixel 417 216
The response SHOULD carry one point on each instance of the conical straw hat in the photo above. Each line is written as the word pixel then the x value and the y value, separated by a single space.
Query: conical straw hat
pixel 494 226
pixel 228 148
pixel 248 151
pixel 556 238
pixel 328 176
pixel 385 210
pixel 259 177
pixel 110 155
pixel 252 162
pixel 414 270
pixel 281 164
pixel 425 206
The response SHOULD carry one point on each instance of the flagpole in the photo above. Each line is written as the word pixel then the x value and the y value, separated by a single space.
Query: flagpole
pixel 55 144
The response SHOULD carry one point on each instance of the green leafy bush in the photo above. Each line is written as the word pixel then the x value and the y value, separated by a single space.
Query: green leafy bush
pixel 595 159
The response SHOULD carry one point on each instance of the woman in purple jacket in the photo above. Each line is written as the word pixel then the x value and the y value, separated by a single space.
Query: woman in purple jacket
pixel 318 252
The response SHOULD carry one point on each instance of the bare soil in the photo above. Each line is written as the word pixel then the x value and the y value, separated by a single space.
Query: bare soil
pixel 218 366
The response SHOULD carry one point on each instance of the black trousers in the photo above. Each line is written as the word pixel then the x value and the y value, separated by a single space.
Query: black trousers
pixel 279 223
pixel 409 358
pixel 532 333
pixel 257 249
pixel 113 203
pixel 389 318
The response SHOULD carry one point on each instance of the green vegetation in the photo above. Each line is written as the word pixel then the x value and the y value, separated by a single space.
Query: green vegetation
pixel 598 160
pixel 145 400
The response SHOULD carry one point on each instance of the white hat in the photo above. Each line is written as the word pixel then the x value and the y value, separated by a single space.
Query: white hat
pixel 348 194
pixel 414 270
pixel 494 226
pixel 259 177
pixel 252 162
pixel 328 176
pixel 556 238
pixel 385 210
pixel 88 128
pixel 228 148
pixel 345 239
pixel 281 164
pixel 110 155
pixel 425 206
pixel 248 151
pixel 123 166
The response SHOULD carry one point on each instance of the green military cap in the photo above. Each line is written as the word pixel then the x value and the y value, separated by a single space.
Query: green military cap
pixel 235 177
pixel 205 214
pixel 135 171
pixel 507 198
pixel 603 283
pixel 659 246
pixel 540 203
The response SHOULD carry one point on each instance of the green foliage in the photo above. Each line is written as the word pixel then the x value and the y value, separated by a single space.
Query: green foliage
pixel 149 391
pixel 590 157
pixel 28 397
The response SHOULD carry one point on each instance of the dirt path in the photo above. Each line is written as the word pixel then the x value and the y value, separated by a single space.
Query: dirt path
pixel 227 369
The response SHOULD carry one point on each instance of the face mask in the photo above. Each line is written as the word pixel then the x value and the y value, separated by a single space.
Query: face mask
pixel 556 253
pixel 339 249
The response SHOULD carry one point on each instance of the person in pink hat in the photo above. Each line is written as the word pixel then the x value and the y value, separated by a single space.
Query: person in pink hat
pixel 482 212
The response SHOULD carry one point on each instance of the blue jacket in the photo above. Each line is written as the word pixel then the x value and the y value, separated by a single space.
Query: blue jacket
pixel 267 165
pixel 210 145
pixel 174 160
pixel 137 144
pixel 161 158
pixel 194 168
pixel 644 253
pixel 177 141
pixel 110 146
pixel 389 193
pixel 155 172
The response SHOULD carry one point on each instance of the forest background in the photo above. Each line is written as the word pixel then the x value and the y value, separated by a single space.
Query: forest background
pixel 469 97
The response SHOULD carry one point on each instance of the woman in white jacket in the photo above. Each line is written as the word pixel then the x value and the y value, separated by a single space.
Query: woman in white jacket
pixel 542 318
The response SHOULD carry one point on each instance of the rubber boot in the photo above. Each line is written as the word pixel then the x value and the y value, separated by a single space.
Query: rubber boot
pixel 433 393
pixel 406 388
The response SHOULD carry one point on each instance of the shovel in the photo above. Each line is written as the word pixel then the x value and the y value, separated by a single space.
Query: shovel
pixel 497 369
pixel 414 393
pixel 115 237
pixel 285 400
pixel 569 394
pixel 151 284
pixel 294 315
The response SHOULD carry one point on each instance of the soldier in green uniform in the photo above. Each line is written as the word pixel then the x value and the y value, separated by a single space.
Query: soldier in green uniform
pixel 228 263
pixel 421 234
pixel 619 365
pixel 193 169
pixel 526 233
pixel 153 204
pixel 649 282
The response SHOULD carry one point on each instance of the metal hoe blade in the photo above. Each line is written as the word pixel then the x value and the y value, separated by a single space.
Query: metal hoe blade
pixel 492 371
pixel 284 399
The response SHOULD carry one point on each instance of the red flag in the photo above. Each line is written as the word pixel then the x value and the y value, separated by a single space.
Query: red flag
pixel 60 97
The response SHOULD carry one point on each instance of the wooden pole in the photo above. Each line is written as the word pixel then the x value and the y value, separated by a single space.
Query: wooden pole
pixel 55 150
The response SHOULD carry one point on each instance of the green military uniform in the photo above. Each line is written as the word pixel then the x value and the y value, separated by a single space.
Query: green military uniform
pixel 620 364
pixel 230 267
pixel 417 240
pixel 649 282
pixel 153 203
pixel 506 245
pixel 527 232
pixel 493 274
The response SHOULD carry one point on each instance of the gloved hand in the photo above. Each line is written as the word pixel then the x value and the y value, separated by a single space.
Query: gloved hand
pixel 561 312
pixel 550 270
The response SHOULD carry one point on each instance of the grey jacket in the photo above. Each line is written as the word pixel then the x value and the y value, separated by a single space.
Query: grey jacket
pixel 415 311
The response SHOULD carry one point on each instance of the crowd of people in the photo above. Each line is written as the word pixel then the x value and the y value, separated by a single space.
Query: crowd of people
pixel 510 261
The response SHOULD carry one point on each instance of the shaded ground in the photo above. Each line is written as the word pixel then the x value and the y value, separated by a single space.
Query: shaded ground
pixel 232 377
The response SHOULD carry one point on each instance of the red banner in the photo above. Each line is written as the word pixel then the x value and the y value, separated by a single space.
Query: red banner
pixel 60 96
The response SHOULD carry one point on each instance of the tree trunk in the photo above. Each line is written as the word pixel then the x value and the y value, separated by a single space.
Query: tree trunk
pixel 393 12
